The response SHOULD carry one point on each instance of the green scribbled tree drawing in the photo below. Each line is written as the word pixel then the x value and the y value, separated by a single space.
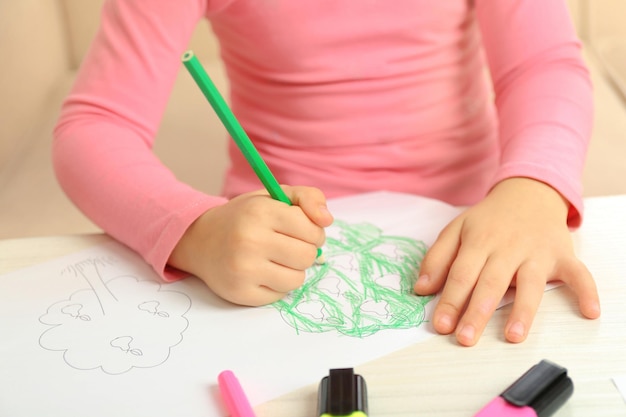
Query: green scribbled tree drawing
pixel 366 285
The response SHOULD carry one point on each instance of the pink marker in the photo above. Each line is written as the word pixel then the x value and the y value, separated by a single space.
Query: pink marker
pixel 541 391
pixel 233 395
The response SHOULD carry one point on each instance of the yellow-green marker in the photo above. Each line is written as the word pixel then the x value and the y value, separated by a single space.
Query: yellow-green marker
pixel 342 394
pixel 235 130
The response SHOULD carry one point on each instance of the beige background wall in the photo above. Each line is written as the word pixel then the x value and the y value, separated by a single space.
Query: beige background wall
pixel 40 41
pixel 603 18
pixel 34 56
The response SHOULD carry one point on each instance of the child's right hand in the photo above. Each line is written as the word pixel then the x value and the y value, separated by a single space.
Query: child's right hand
pixel 253 250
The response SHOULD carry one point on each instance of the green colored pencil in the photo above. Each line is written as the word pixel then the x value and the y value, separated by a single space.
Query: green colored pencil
pixel 234 128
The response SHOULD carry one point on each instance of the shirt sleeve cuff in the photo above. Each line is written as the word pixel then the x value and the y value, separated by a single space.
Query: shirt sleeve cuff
pixel 171 234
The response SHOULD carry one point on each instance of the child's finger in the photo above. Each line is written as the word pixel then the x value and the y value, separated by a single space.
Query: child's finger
pixel 280 279
pixel 530 286
pixel 270 283
pixel 438 259
pixel 312 202
pixel 576 275
pixel 294 223
pixel 256 296
pixel 461 280
pixel 293 253
pixel 491 286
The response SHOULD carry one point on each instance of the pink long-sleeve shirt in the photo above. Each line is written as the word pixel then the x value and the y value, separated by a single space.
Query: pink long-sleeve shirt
pixel 437 98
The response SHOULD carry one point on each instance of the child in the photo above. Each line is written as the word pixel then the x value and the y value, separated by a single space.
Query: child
pixel 383 95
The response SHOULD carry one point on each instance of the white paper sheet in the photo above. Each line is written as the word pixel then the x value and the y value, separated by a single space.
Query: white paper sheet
pixel 96 333
pixel 620 383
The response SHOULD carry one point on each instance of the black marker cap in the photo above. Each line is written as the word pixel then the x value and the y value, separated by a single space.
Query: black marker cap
pixel 342 393
pixel 545 387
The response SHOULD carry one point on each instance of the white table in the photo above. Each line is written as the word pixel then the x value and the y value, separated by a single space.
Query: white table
pixel 440 378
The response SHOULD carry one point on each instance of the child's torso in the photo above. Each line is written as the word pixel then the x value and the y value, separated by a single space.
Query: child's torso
pixel 358 89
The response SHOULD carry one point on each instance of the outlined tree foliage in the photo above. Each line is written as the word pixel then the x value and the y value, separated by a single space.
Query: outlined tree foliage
pixel 116 325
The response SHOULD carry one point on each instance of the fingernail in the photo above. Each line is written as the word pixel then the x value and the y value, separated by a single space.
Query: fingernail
pixel 595 310
pixel 517 330
pixel 445 322
pixel 423 280
pixel 323 210
pixel 467 333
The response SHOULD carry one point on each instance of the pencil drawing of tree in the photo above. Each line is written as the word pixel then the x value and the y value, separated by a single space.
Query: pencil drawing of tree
pixel 117 325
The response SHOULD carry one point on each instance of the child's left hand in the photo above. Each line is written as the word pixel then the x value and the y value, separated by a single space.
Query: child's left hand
pixel 517 236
